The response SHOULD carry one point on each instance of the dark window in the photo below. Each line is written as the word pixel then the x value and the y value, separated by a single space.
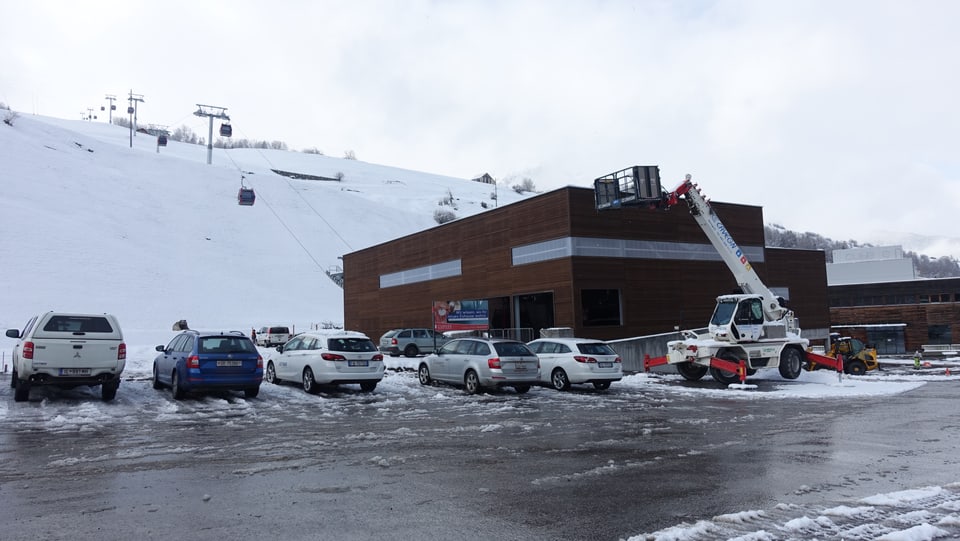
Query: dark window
pixel 512 349
pixel 78 324
pixel 225 344
pixel 187 344
pixel 404 334
pixel 596 349
pixel 601 307
pixel 279 330
pixel 939 334
pixel 350 344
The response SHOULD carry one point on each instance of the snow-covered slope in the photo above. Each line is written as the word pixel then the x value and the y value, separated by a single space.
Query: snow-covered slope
pixel 90 224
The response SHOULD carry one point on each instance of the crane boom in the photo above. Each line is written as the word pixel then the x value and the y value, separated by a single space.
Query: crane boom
pixel 728 249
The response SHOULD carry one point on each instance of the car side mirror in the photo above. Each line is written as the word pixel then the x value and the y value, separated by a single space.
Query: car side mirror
pixel 280 349
pixel 160 348
pixel 13 333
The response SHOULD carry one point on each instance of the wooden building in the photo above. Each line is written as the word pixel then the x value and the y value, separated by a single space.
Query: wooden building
pixel 553 260
pixel 898 317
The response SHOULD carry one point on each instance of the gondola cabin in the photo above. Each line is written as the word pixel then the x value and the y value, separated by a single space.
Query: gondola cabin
pixel 246 196
pixel 161 140
pixel 226 130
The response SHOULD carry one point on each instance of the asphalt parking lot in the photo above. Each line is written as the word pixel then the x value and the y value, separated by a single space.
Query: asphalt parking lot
pixel 413 462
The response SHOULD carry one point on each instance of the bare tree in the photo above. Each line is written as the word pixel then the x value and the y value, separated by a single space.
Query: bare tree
pixel 349 154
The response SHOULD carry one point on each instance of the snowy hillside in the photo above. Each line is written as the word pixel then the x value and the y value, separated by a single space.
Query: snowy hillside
pixel 90 224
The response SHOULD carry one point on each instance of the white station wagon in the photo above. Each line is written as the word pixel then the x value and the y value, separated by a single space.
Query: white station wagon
pixel 577 360
pixel 317 358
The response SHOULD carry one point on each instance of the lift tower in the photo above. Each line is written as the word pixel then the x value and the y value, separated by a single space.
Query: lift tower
pixel 211 112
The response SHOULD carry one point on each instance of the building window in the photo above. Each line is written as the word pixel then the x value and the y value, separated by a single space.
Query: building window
pixel 601 307
pixel 938 334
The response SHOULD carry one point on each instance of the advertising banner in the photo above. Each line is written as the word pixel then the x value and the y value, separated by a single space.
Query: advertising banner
pixel 470 315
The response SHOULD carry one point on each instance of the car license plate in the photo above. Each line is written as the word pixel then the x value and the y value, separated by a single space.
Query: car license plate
pixel 605 365
pixel 229 363
pixel 358 363
pixel 74 371
pixel 521 367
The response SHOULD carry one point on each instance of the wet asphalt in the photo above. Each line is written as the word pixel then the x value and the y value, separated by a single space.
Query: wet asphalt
pixel 408 463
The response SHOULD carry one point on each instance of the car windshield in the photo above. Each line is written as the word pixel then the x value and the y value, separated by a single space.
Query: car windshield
pixel 226 344
pixel 595 348
pixel 351 344
pixel 512 349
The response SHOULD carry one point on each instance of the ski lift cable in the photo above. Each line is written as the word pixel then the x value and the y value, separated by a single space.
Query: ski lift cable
pixel 273 211
pixel 302 198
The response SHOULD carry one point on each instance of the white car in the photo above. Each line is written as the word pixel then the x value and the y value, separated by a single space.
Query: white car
pixel 564 361
pixel 317 358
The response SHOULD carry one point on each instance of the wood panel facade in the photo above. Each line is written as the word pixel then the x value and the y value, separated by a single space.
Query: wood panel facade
pixel 928 310
pixel 655 294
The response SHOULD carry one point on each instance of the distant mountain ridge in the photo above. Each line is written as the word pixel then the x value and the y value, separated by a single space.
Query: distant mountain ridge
pixel 778 236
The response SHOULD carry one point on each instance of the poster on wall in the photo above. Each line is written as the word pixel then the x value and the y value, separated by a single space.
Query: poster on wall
pixel 468 315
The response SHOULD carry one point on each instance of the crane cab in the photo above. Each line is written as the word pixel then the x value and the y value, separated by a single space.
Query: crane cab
pixel 246 196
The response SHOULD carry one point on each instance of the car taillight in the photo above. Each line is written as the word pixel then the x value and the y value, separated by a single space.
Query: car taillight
pixel 377 357
pixel 494 362
pixel 618 360
pixel 122 352
pixel 393 341
pixel 27 351
pixel 584 359
pixel 332 357
pixel 193 361
pixel 259 361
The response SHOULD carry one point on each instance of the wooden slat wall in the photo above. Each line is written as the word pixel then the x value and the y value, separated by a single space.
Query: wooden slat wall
pixel 656 294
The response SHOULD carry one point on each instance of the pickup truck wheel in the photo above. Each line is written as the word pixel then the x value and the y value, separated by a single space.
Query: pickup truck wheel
pixel 13 379
pixel 108 391
pixel 178 392
pixel 22 392
pixel 791 363
pixel 691 371
pixel 156 378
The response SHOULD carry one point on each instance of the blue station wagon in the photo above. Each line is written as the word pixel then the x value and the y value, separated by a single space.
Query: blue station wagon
pixel 208 361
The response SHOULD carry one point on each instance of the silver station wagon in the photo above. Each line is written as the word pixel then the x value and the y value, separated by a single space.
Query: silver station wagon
pixel 477 363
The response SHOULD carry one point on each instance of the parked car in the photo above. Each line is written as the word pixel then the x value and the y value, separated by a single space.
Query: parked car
pixel 564 361
pixel 273 336
pixel 411 342
pixel 317 358
pixel 476 363
pixel 67 351
pixel 207 361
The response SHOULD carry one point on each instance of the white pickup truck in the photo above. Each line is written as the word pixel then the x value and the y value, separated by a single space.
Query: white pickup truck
pixel 68 350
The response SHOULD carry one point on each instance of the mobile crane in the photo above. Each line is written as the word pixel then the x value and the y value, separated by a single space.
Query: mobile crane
pixel 747 331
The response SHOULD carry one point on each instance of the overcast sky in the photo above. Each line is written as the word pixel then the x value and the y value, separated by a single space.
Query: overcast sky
pixel 837 117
